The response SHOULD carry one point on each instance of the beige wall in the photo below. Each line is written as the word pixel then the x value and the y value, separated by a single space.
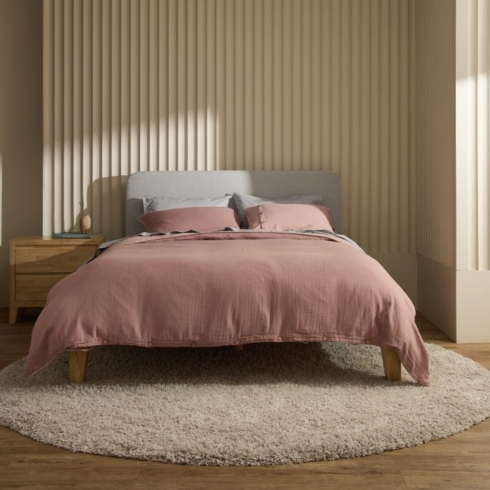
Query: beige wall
pixel 436 131
pixel 453 162
pixel 20 125
pixel 436 162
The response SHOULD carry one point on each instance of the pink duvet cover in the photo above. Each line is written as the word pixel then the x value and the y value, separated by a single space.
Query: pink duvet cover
pixel 223 288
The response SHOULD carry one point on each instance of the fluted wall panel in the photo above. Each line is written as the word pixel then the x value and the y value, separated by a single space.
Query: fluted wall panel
pixel 231 84
pixel 453 133
pixel 436 131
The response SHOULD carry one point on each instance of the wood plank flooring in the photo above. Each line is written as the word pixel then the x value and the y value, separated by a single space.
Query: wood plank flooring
pixel 459 462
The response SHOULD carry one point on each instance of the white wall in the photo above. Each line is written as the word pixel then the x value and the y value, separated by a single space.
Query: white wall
pixel 220 84
pixel 20 125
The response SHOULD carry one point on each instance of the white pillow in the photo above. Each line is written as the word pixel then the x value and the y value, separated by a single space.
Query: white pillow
pixel 151 204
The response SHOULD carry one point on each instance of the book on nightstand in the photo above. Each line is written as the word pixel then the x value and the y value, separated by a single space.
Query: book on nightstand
pixel 75 235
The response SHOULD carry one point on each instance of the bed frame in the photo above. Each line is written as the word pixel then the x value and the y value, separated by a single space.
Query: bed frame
pixel 267 184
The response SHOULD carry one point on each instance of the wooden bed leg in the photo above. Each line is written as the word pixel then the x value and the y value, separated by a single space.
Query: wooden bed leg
pixel 78 365
pixel 239 347
pixel 391 363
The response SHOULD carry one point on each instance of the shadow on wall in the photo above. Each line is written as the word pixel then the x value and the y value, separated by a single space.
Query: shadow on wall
pixel 101 191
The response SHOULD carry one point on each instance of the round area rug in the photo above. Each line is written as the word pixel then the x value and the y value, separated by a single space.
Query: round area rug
pixel 268 404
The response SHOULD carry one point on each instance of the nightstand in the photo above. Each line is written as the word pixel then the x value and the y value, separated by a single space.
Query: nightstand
pixel 38 263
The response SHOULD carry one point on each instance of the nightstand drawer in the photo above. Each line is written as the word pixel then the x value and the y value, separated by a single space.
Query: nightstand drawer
pixel 35 287
pixel 37 263
pixel 51 259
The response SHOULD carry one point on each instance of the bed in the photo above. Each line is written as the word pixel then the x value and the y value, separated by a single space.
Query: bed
pixel 229 287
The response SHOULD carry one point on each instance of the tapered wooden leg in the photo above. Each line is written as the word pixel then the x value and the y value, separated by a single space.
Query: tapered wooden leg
pixel 391 363
pixel 78 365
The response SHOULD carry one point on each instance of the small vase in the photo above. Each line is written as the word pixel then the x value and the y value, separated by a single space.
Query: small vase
pixel 85 223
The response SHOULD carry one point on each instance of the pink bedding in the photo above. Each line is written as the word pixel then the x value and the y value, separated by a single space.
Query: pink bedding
pixel 223 288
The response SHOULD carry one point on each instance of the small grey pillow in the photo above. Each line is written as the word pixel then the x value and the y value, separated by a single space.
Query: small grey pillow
pixel 243 202
pixel 151 204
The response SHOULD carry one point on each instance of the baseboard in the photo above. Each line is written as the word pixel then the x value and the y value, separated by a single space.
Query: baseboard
pixel 437 294
pixel 403 268
pixel 473 306
pixel 457 302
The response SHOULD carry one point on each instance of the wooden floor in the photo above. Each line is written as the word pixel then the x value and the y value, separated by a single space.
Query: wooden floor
pixel 457 463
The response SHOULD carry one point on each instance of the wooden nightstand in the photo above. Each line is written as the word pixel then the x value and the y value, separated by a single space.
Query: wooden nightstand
pixel 38 263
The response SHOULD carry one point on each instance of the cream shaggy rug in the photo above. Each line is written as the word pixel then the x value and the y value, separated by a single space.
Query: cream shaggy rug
pixel 269 404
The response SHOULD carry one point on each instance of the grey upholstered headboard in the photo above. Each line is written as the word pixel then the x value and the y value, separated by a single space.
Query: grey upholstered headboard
pixel 267 184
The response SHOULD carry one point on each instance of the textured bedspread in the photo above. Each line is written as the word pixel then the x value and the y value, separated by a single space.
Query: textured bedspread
pixel 227 288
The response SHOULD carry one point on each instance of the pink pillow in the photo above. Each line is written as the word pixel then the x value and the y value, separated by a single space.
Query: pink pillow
pixel 281 217
pixel 204 220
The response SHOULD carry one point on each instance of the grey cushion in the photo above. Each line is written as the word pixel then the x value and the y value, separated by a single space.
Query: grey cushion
pixel 151 204
pixel 243 201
